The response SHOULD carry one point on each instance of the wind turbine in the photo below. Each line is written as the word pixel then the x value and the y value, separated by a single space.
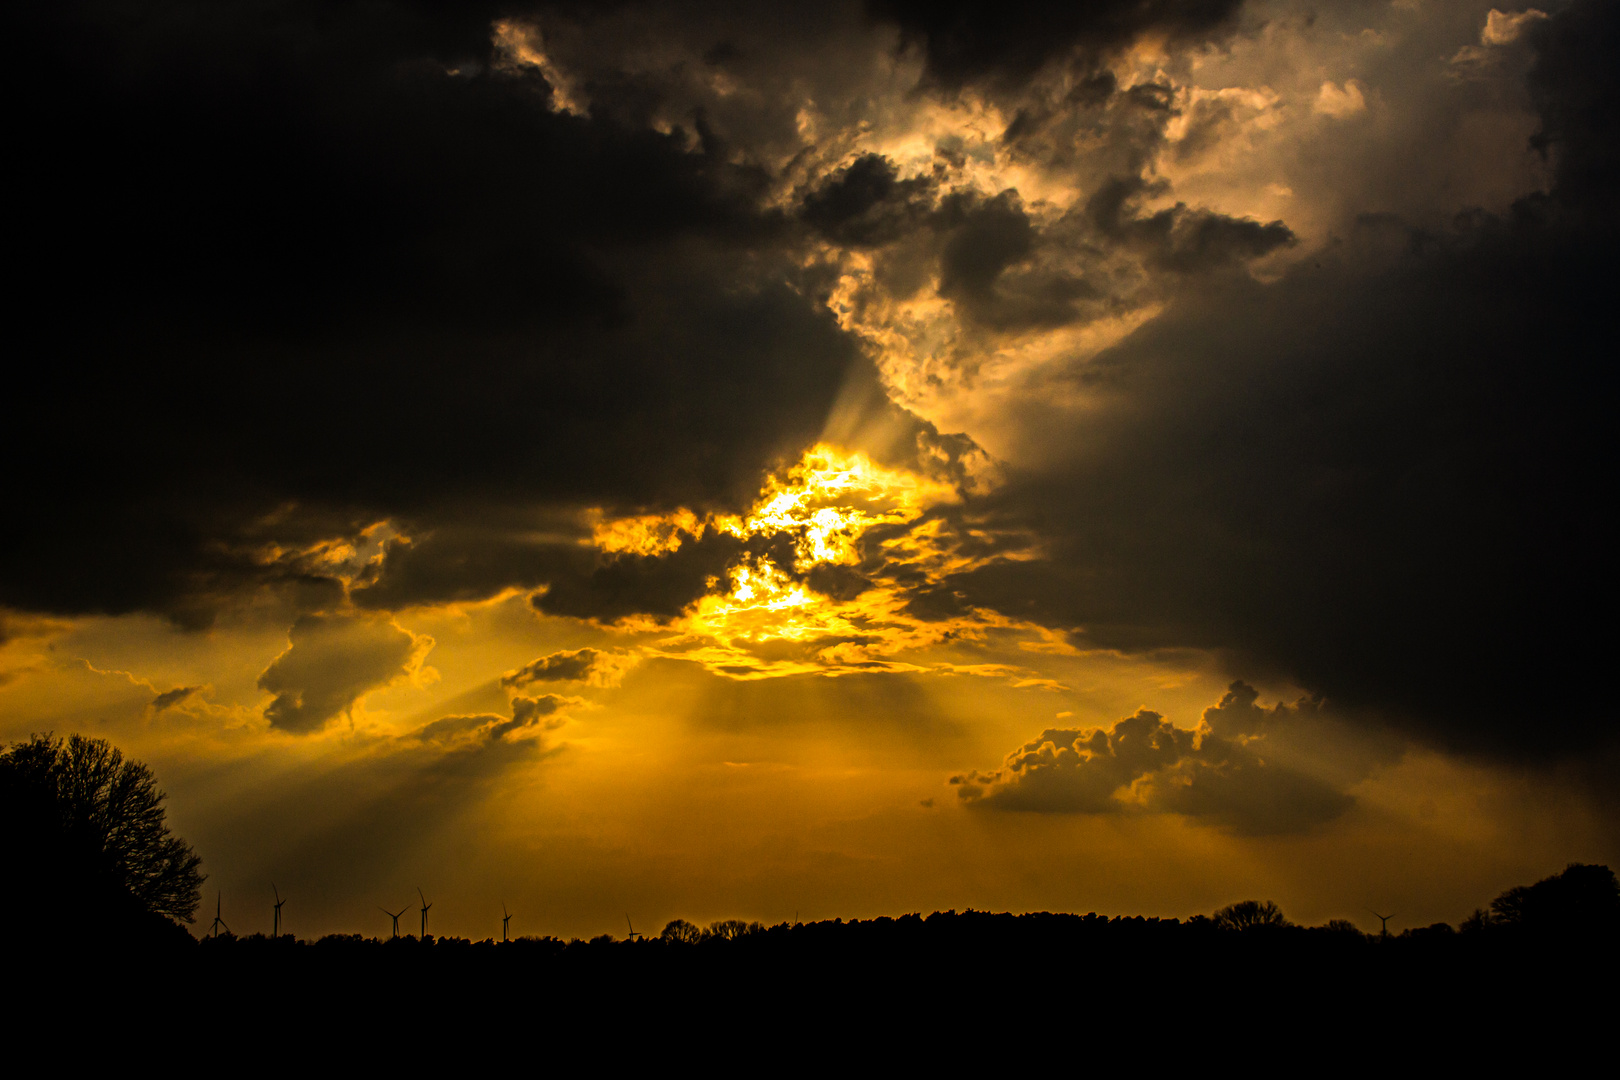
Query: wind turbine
pixel 1384 919
pixel 279 901
pixel 395 916
pixel 631 925
pixel 218 922
pixel 425 906
pixel 506 918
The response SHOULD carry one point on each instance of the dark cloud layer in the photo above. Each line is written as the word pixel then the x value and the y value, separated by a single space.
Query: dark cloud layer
pixel 971 40
pixel 323 264
pixel 622 584
pixel 473 559
pixel 1379 476
pixel 296 268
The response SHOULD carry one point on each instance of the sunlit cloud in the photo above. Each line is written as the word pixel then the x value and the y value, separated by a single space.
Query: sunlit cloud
pixel 1249 768
pixel 1506 27
pixel 846 548
pixel 1340 102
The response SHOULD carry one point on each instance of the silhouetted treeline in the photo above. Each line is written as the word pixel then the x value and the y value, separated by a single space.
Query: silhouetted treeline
pixel 1582 904
pixel 1540 955
pixel 1578 908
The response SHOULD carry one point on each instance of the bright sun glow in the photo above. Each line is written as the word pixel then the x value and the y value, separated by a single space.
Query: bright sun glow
pixel 826 503
pixel 870 527
pixel 831 498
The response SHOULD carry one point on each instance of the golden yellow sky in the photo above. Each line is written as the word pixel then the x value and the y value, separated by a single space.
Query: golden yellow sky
pixel 870 460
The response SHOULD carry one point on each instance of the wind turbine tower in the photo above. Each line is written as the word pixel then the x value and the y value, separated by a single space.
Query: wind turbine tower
pixel 218 921
pixel 1384 920
pixel 276 932
pixel 425 906
pixel 506 919
pixel 627 922
pixel 395 916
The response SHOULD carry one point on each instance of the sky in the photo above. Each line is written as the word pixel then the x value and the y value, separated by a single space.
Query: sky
pixel 707 460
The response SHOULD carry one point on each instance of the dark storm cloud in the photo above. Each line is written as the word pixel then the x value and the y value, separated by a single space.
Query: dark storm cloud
pixel 172 697
pixel 866 203
pixel 988 241
pixel 1378 477
pixel 319 265
pixel 1094 128
pixel 1227 772
pixel 330 662
pixel 450 729
pixel 570 665
pixel 567 666
pixel 838 582
pixel 1577 92
pixel 966 41
pixel 1004 269
pixel 463 560
pixel 542 712
pixel 1117 253
pixel 1179 239
pixel 1003 272
pixel 621 584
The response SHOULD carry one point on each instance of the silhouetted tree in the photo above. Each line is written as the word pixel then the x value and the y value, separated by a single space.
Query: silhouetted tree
pixel 87 834
pixel 1342 926
pixel 732 929
pixel 1250 914
pixel 682 932
pixel 1583 898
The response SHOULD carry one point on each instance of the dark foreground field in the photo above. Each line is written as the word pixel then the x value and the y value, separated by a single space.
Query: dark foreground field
pixel 978 989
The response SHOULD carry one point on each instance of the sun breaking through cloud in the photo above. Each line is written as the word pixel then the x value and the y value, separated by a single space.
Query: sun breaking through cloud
pixel 635 455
